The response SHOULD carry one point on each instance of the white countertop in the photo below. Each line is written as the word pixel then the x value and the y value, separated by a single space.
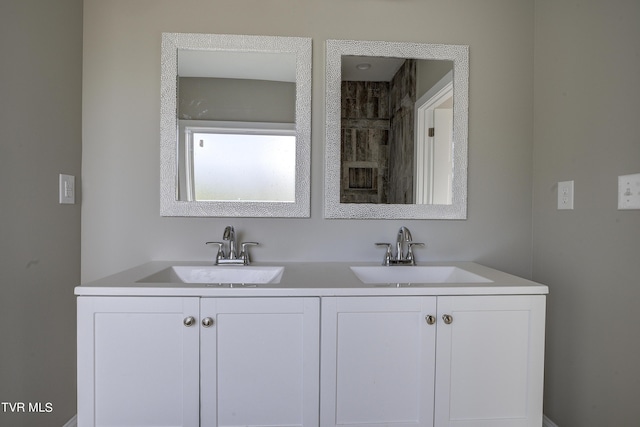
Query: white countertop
pixel 320 279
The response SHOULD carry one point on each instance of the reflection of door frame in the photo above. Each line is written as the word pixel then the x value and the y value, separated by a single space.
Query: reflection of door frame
pixel 424 154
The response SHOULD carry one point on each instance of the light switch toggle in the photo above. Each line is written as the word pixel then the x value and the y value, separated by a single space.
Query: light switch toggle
pixel 629 192
pixel 67 189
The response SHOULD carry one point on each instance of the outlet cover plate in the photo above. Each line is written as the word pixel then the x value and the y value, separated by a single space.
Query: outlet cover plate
pixel 565 195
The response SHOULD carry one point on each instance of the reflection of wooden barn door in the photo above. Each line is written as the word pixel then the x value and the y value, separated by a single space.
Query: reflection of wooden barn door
pixel 364 142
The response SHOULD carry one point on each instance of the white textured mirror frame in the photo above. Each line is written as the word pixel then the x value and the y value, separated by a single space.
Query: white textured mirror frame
pixel 335 50
pixel 171 44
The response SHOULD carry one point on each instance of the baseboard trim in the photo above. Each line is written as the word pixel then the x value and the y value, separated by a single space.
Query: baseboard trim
pixel 73 422
pixel 546 422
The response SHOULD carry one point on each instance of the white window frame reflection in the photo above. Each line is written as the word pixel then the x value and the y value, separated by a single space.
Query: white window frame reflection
pixel 268 148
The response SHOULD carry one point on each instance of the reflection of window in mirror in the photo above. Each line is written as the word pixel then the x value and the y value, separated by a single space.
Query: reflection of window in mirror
pixel 236 149
pixel 236 161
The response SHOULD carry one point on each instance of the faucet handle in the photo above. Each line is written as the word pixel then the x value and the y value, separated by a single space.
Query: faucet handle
pixel 410 251
pixel 219 253
pixel 244 253
pixel 387 255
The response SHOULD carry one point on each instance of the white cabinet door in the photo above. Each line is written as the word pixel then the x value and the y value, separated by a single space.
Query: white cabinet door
pixel 377 361
pixel 259 362
pixel 490 361
pixel 137 362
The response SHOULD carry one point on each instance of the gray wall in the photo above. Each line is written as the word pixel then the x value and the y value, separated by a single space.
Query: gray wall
pixel 587 110
pixel 121 223
pixel 428 73
pixel 40 122
pixel 203 98
pixel 583 131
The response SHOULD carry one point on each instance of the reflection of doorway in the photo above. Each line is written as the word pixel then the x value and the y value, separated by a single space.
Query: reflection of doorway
pixel 434 141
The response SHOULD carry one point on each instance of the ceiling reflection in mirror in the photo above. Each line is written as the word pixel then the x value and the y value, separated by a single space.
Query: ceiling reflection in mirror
pixel 396 130
pixel 235 135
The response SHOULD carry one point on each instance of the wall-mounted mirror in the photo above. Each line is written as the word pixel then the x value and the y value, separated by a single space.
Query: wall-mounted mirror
pixel 235 125
pixel 396 133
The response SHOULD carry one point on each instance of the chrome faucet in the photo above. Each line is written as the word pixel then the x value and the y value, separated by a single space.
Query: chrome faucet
pixel 404 249
pixel 229 235
pixel 231 256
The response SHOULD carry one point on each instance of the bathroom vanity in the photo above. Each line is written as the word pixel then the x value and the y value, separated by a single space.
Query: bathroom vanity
pixel 315 347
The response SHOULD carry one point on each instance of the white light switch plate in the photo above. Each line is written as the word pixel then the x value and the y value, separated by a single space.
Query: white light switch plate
pixel 67 189
pixel 565 195
pixel 629 191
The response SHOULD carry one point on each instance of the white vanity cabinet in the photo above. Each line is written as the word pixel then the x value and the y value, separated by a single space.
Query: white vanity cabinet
pixel 137 362
pixel 259 362
pixel 321 348
pixel 432 361
pixel 377 361
pixel 490 361
pixel 190 361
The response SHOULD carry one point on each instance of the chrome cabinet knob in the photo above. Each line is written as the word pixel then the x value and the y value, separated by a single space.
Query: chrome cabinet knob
pixel 207 322
pixel 189 321
pixel 447 319
pixel 430 319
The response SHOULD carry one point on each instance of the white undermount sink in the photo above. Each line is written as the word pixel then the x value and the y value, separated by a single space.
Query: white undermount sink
pixel 217 274
pixel 416 274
